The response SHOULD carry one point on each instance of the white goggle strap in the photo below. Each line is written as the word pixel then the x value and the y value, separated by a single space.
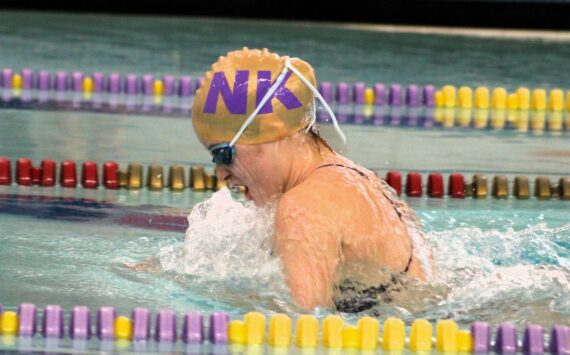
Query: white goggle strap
pixel 321 99
pixel 272 90
pixel 268 95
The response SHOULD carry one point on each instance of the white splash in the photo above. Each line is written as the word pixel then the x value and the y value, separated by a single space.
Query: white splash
pixel 226 239
pixel 520 275
pixel 491 274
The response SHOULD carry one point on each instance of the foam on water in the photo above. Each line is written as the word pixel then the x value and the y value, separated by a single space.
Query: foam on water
pixel 227 251
pixel 225 239
pixel 486 274
pixel 521 275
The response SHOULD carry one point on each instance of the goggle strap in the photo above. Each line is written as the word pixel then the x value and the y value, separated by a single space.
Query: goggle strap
pixel 272 90
pixel 268 95
pixel 321 99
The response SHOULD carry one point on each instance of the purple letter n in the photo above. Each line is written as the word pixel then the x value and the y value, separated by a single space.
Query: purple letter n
pixel 235 101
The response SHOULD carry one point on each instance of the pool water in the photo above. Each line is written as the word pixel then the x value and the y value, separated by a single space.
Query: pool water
pixel 497 259
pixel 188 46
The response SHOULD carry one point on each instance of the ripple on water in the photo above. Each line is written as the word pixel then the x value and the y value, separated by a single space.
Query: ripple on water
pixel 482 274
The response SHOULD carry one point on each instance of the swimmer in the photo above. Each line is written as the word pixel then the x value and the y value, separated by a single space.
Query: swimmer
pixel 338 226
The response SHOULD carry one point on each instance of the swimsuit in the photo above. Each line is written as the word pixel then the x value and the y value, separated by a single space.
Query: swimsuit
pixel 355 299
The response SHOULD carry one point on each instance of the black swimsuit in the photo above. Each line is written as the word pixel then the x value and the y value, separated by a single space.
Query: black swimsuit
pixel 355 300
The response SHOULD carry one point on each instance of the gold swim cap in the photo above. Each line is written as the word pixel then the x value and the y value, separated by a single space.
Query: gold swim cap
pixel 235 86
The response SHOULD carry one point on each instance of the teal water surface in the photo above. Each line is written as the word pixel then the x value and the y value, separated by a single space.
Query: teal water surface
pixel 497 260
pixel 177 46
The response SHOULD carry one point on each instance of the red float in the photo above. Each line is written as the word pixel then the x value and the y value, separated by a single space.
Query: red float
pixel 414 185
pixel 456 186
pixel 23 172
pixel 394 179
pixel 36 175
pixel 111 175
pixel 435 185
pixel 89 175
pixel 5 172
pixel 68 173
pixel 48 173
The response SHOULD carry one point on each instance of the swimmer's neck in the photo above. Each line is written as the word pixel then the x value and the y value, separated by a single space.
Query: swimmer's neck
pixel 304 159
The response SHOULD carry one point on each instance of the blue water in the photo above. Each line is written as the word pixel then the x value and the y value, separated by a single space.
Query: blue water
pixel 497 260
pixel 166 45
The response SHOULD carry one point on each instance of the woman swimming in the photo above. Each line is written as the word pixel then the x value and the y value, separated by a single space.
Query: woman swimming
pixel 338 228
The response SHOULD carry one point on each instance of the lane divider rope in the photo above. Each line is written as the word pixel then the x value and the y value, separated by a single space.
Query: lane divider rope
pixel 252 331
pixel 199 180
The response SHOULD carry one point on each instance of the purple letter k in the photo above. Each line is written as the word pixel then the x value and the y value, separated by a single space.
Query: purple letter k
pixel 287 98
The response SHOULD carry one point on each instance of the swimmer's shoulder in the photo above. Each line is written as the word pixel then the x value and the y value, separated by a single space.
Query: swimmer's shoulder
pixel 320 197
pixel 310 196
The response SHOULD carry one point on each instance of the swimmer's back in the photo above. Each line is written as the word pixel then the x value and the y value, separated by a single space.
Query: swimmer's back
pixel 375 237
pixel 355 214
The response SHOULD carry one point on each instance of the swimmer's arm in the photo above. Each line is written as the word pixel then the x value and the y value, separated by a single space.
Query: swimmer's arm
pixel 308 252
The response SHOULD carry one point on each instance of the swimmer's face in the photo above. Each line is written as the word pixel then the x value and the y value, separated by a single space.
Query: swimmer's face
pixel 256 167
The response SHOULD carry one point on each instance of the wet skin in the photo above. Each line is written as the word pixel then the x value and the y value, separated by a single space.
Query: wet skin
pixel 331 222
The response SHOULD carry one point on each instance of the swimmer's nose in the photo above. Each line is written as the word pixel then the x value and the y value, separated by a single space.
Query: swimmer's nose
pixel 223 174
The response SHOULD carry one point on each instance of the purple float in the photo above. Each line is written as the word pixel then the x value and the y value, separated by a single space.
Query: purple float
pixel 395 95
pixel 98 82
pixel 114 83
pixel 27 79
pixel 193 328
pixel 80 323
pixel 77 81
pixel 342 93
pixel 7 74
pixel 481 333
pixel 27 315
pixel 506 341
pixel 379 94
pixel 52 326
pixel 358 93
pixel 185 86
pixel 412 96
pixel 131 84
pixel 44 81
pixel 106 323
pixel 326 90
pixel 560 340
pixel 61 79
pixel 168 82
pixel 533 341
pixel 165 330
pixel 219 327
pixel 141 324
pixel 148 84
pixel 429 96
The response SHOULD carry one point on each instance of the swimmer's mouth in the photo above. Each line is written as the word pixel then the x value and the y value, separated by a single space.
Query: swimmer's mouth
pixel 243 189
pixel 247 193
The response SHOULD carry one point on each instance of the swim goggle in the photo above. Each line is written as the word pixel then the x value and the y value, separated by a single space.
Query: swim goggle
pixel 224 153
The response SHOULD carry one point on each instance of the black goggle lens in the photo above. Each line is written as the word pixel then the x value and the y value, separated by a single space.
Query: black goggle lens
pixel 222 154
